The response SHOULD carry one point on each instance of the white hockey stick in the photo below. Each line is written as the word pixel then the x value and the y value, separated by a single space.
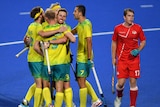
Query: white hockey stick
pixel 22 51
pixel 113 78
pixel 45 52
pixel 98 85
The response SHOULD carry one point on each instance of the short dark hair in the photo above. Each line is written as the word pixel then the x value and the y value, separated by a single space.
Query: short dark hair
pixel 34 11
pixel 63 10
pixel 127 10
pixel 82 8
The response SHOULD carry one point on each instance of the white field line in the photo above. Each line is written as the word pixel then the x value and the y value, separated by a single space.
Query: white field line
pixel 147 6
pixel 24 13
pixel 94 34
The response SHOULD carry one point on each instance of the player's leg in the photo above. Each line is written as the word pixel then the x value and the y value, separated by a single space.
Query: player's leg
pixel 82 72
pixel 59 76
pixel 59 94
pixel 119 88
pixel 82 91
pixel 36 69
pixel 134 74
pixel 68 92
pixel 29 95
pixel 95 100
pixel 30 92
pixel 68 95
pixel 46 91
pixel 133 92
pixel 38 92
pixel 122 71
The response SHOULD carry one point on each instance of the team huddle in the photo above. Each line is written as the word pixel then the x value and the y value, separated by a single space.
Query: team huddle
pixel 50 57
pixel 50 27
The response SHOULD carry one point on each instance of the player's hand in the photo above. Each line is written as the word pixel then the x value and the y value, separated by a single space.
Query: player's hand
pixel 114 61
pixel 62 29
pixel 46 45
pixel 90 63
pixel 135 52
pixel 27 41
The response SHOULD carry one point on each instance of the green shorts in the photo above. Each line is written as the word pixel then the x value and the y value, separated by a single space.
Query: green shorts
pixel 82 69
pixel 58 72
pixel 36 69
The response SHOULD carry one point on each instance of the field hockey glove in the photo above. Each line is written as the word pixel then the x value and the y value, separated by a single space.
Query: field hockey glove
pixel 135 52
pixel 90 63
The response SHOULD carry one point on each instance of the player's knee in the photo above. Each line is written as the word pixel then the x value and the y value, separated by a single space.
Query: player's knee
pixel 119 86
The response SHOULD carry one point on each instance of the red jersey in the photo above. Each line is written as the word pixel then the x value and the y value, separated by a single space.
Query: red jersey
pixel 127 39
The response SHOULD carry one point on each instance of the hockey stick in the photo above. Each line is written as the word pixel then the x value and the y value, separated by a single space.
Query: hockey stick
pixel 99 86
pixel 48 66
pixel 22 51
pixel 113 79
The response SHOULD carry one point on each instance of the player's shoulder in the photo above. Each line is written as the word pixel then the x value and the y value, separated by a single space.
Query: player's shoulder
pixel 87 21
pixel 137 25
pixel 119 25
pixel 35 24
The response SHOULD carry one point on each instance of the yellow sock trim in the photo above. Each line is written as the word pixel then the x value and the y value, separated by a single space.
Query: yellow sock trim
pixel 68 96
pixel 37 97
pixel 91 92
pixel 83 97
pixel 30 92
pixel 47 96
pixel 58 99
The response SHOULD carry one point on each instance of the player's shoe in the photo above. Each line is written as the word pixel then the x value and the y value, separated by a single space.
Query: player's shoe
pixel 97 103
pixel 21 105
pixel 117 102
pixel 73 104
pixel 132 106
pixel 24 103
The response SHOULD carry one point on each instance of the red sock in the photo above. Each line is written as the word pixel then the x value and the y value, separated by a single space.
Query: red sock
pixel 133 97
pixel 119 93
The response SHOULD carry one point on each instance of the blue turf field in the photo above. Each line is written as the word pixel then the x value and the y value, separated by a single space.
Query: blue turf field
pixel 15 77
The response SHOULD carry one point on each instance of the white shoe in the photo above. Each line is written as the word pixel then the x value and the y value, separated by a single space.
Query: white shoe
pixel 24 103
pixel 97 103
pixel 117 102
pixel 73 104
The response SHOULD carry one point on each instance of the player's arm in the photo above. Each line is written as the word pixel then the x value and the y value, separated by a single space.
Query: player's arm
pixel 37 48
pixel 52 32
pixel 27 40
pixel 70 36
pixel 63 40
pixel 113 50
pixel 89 46
pixel 59 41
pixel 142 45
pixel 74 31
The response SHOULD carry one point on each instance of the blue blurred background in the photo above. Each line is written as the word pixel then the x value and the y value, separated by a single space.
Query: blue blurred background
pixel 15 77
